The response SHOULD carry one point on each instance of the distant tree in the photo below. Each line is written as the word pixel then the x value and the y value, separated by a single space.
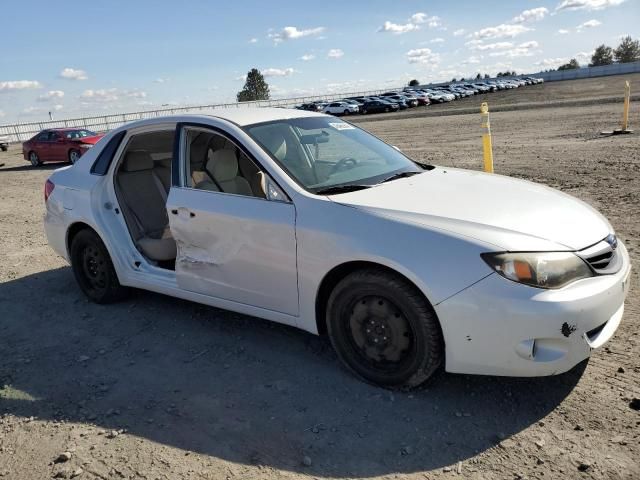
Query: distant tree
pixel 414 83
pixel 454 79
pixel 462 79
pixel 628 50
pixel 255 87
pixel 478 76
pixel 602 55
pixel 572 65
pixel 486 75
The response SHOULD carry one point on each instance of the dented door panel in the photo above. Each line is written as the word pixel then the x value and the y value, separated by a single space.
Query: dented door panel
pixel 237 248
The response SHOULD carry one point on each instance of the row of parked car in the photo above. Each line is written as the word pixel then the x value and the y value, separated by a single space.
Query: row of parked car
pixel 411 97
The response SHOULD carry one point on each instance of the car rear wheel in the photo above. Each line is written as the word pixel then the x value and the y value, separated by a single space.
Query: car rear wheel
pixel 74 155
pixel 34 159
pixel 386 109
pixel 93 269
pixel 364 111
pixel 384 330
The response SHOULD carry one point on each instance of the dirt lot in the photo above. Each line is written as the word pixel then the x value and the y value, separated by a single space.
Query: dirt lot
pixel 157 388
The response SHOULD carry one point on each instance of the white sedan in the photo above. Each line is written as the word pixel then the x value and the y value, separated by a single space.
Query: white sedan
pixel 307 220
pixel 341 108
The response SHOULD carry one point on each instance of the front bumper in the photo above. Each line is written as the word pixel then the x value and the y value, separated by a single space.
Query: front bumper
pixel 499 327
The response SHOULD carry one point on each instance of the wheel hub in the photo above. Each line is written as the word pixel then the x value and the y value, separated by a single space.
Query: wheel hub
pixel 379 330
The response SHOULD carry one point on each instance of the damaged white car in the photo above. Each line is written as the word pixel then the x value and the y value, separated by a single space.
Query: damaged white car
pixel 307 220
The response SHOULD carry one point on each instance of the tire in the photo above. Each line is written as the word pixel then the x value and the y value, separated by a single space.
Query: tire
pixel 34 159
pixel 4 149
pixel 346 112
pixel 404 345
pixel 386 109
pixel 93 269
pixel 73 156
pixel 364 111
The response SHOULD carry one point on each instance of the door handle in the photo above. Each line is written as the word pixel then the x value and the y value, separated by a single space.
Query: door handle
pixel 191 214
pixel 174 211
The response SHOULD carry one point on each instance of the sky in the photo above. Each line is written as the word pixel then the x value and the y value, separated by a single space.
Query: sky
pixel 84 58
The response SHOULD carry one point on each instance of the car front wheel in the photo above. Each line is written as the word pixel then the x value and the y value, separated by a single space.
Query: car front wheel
pixel 93 269
pixel 384 330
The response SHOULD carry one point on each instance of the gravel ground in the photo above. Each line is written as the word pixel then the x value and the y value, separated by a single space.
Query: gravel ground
pixel 159 388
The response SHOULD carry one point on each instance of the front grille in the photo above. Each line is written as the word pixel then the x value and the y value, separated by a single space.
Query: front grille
pixel 598 262
pixel 603 256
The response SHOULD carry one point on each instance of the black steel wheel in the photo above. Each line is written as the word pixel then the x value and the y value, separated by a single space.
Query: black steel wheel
pixel 383 329
pixel 94 270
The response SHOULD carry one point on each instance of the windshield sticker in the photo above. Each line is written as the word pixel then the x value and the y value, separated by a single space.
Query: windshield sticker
pixel 342 126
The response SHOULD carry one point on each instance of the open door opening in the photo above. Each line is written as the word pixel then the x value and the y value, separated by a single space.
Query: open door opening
pixel 142 182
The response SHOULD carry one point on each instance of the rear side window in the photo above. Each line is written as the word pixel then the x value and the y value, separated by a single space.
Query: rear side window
pixel 101 165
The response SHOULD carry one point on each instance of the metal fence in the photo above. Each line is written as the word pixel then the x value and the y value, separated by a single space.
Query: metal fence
pixel 589 72
pixel 23 131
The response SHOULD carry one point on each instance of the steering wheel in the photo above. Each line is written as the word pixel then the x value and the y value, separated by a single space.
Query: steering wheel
pixel 344 163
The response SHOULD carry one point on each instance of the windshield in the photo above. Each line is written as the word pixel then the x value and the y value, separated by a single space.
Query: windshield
pixel 324 152
pixel 80 134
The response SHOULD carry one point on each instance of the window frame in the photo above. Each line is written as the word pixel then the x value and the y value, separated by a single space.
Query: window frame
pixel 179 166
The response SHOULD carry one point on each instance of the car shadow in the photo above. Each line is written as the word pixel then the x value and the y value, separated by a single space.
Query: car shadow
pixel 239 388
pixel 45 166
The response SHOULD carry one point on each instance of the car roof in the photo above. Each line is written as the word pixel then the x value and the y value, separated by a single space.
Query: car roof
pixel 241 116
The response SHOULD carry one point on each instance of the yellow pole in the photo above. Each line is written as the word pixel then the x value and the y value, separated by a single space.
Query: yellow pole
pixel 625 111
pixel 486 138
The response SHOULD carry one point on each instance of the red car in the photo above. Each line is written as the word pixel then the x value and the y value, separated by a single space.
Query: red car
pixel 59 145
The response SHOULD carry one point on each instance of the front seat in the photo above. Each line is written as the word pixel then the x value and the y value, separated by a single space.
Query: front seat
pixel 223 167
pixel 144 206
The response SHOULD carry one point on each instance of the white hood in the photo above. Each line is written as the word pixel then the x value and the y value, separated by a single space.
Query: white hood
pixel 509 213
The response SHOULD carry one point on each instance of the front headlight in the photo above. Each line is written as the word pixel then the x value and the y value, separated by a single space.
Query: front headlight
pixel 85 145
pixel 539 269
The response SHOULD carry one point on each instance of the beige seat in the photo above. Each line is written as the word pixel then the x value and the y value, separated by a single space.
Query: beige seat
pixel 144 206
pixel 162 170
pixel 223 167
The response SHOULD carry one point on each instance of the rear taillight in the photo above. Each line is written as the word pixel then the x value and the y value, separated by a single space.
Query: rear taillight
pixel 48 189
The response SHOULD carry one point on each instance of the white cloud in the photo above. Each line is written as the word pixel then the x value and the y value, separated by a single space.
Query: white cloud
pixel 437 40
pixel 51 95
pixel 588 24
pixel 472 60
pixel 504 30
pixel 583 57
pixel 134 94
pixel 398 29
pixel 241 78
pixel 459 32
pixel 100 95
pixel 552 62
pixel 413 23
pixel 307 57
pixel 19 85
pixel 108 95
pixel 525 49
pixel 253 40
pixel 73 74
pixel 563 31
pixel 479 45
pixel 587 4
pixel 161 80
pixel 335 53
pixel 533 15
pixel 292 33
pixel 423 55
pixel 278 72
